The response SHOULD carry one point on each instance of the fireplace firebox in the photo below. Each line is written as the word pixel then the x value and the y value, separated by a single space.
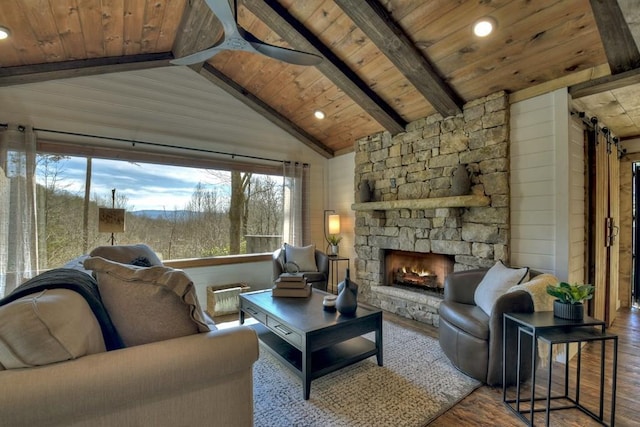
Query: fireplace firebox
pixel 416 270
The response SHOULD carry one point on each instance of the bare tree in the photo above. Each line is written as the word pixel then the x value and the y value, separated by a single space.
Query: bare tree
pixel 85 210
pixel 239 184
pixel 56 224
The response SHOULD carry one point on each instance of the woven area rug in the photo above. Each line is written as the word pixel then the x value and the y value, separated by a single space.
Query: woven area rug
pixel 416 384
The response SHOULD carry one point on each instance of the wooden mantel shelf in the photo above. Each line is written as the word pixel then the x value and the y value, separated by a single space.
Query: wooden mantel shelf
pixel 431 203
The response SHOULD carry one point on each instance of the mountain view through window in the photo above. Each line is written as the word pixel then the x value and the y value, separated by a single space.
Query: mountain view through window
pixel 181 212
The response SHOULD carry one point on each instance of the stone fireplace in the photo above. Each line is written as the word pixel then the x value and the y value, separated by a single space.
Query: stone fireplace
pixel 414 213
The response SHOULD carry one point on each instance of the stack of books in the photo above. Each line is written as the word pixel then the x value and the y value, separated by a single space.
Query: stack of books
pixel 291 285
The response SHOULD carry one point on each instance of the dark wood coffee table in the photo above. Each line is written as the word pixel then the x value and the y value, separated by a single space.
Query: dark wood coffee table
pixel 310 341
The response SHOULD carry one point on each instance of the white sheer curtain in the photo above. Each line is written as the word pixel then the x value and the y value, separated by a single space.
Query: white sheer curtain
pixel 18 230
pixel 296 202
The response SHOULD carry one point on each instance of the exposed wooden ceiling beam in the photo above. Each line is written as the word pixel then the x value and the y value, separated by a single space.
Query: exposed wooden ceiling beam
pixel 619 45
pixel 199 29
pixel 293 32
pixel 255 103
pixel 374 20
pixel 569 80
pixel 605 83
pixel 84 67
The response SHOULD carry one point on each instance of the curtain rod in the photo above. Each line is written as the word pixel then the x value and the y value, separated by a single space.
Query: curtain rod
pixel 153 144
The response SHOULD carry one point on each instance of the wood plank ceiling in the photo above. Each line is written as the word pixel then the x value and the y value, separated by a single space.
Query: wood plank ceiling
pixel 386 62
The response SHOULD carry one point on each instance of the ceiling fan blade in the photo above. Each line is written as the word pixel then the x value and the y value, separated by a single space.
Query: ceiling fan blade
pixel 296 57
pixel 224 13
pixel 197 57
pixel 236 38
pixel 291 56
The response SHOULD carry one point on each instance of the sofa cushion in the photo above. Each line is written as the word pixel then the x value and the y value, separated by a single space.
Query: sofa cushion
pixel 496 282
pixel 148 304
pixel 303 256
pixel 47 327
pixel 127 254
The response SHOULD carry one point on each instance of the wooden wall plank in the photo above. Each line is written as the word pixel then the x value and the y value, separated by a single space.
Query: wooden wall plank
pixel 518 26
pixel 42 24
pixel 92 29
pixel 67 18
pixel 154 11
pixel 113 27
pixel 133 20
pixel 170 24
pixel 12 50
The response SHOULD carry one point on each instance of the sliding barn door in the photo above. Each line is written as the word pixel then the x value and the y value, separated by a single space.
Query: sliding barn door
pixel 606 219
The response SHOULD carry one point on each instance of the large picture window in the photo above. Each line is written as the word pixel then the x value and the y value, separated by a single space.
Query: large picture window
pixel 181 212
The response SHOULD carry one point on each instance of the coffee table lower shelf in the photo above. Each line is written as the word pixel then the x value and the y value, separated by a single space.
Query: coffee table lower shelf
pixel 323 361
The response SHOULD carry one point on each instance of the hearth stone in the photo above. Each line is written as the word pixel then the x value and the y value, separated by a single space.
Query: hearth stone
pixel 413 305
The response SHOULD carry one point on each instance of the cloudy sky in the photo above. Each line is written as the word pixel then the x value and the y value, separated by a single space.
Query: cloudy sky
pixel 146 186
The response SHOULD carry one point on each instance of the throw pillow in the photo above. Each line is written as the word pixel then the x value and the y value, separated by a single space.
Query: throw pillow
pixel 50 326
pixel 303 256
pixel 126 254
pixel 496 282
pixel 148 304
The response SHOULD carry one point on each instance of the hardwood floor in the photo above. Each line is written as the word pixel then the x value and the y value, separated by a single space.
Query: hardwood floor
pixel 484 406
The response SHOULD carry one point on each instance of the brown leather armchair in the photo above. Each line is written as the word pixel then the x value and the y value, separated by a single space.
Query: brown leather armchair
pixel 471 339
pixel 318 279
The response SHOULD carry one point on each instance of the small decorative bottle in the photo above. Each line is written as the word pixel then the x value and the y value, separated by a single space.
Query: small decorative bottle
pixel 347 301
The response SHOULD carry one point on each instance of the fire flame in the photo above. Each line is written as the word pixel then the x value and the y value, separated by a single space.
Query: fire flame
pixel 420 273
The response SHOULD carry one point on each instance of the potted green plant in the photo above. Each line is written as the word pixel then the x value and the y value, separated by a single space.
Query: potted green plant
pixel 569 299
pixel 334 240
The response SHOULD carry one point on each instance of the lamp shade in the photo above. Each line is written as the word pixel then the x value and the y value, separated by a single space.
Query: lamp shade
pixel 334 224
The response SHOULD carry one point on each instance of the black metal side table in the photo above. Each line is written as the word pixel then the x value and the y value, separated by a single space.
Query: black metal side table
pixel 334 261
pixel 545 327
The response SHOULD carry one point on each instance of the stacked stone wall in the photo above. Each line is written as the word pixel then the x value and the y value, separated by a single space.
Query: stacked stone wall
pixel 418 164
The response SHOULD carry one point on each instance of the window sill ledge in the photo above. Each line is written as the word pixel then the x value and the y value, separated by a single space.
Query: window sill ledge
pixel 219 260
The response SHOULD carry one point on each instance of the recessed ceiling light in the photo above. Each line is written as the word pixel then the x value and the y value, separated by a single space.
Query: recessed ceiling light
pixel 319 114
pixel 4 33
pixel 483 27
